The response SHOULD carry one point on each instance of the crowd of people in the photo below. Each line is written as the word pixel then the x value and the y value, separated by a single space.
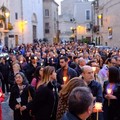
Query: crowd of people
pixel 61 81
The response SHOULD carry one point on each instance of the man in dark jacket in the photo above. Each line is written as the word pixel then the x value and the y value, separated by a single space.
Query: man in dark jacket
pixel 65 71
pixel 80 104
pixel 95 87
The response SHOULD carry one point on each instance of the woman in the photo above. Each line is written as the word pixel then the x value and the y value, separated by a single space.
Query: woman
pixel 1 100
pixel 21 94
pixel 111 106
pixel 15 69
pixel 45 102
pixel 22 61
pixel 37 77
pixel 64 94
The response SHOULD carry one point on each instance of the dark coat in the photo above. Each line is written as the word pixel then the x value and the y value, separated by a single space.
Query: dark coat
pixel 29 70
pixel 78 70
pixel 96 90
pixel 69 116
pixel 45 102
pixel 24 101
pixel 112 112
pixel 71 73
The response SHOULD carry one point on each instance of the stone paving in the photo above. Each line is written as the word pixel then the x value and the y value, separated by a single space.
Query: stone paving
pixel 7 113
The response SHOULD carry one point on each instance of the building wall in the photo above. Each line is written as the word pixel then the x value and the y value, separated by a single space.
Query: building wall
pixel 25 10
pixel 74 10
pixel 80 16
pixel 52 19
pixel 111 16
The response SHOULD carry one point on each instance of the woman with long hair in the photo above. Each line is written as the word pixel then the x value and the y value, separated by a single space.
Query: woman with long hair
pixel 45 102
pixel 37 77
pixel 64 94
pixel 21 94
pixel 111 93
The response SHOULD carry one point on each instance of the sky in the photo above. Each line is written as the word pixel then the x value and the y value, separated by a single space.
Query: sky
pixel 58 1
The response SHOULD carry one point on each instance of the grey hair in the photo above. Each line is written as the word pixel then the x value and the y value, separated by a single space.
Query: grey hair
pixel 25 81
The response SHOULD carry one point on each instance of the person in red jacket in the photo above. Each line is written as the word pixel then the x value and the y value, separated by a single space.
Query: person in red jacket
pixel 1 100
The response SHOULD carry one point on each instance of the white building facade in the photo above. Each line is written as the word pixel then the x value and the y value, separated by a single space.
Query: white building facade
pixel 26 17
pixel 76 20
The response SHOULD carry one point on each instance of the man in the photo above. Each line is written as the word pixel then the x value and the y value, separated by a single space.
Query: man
pixel 118 62
pixel 65 71
pixel 81 63
pixel 96 89
pixel 80 104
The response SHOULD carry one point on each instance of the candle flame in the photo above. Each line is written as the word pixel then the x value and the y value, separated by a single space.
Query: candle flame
pixel 64 78
pixel 109 90
pixel 94 69
pixel 98 106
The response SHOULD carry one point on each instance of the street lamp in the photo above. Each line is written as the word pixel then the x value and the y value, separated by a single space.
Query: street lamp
pixel 22 28
pixel 7 14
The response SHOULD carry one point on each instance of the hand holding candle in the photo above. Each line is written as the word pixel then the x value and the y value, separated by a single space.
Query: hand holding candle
pixel 109 92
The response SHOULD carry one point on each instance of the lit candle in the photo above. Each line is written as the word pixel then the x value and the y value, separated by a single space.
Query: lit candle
pixel 52 59
pixel 98 106
pixel 64 79
pixel 21 61
pixel 41 63
pixel 35 58
pixel 109 91
pixel 94 69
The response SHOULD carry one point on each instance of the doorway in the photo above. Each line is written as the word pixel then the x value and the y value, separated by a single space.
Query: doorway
pixel 16 40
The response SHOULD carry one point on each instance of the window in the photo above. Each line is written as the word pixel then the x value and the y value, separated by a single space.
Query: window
pixel 16 16
pixel 87 15
pixel 46 13
pixel 47 30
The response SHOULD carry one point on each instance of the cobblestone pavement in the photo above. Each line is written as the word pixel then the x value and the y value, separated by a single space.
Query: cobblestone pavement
pixel 6 111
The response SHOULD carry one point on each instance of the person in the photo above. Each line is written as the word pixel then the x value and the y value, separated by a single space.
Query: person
pixel 81 63
pixel 5 69
pixel 64 94
pixel 46 98
pixel 65 71
pixel 30 68
pixel 111 95
pixel 80 104
pixel 15 69
pixel 1 100
pixel 37 77
pixel 21 95
pixel 95 87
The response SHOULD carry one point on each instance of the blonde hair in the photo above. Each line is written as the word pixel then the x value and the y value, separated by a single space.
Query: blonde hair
pixel 47 71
